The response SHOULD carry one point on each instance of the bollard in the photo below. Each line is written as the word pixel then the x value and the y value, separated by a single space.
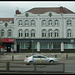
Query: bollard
pixel 66 56
pixel 7 65
pixel 12 58
pixel 34 67
pixel 55 56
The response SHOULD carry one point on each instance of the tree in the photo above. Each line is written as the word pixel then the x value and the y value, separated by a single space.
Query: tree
pixel 6 24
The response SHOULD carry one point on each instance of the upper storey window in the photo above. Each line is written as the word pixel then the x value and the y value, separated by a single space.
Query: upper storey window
pixel 33 22
pixel 56 22
pixel 11 22
pixel 20 22
pixel 43 22
pixel 56 33
pixel 2 32
pixel 1 22
pixel 50 22
pixel 69 22
pixel 26 22
pixel 9 33
pixel 43 33
pixel 20 33
pixel 69 33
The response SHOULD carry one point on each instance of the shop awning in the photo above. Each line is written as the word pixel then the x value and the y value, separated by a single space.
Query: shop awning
pixel 8 40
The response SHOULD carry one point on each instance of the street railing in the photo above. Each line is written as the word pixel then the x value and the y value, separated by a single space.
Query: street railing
pixel 22 67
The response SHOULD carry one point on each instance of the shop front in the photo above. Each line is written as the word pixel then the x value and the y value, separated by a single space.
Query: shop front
pixel 8 43
pixel 46 45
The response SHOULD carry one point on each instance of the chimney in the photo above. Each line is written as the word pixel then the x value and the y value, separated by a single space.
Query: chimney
pixel 61 9
pixel 18 12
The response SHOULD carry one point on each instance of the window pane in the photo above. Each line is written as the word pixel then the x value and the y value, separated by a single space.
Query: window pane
pixel 22 45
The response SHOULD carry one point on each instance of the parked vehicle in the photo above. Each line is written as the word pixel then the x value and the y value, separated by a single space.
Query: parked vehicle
pixel 40 59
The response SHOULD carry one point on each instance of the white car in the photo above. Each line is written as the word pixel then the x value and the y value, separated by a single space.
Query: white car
pixel 40 59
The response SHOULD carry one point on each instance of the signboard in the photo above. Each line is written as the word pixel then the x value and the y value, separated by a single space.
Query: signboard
pixel 7 40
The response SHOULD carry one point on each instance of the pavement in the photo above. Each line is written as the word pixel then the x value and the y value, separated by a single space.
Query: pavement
pixel 35 73
pixel 21 56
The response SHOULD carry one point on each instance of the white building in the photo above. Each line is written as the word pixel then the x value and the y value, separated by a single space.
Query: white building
pixel 48 29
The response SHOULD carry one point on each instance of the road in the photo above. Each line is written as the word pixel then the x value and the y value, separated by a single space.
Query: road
pixel 21 66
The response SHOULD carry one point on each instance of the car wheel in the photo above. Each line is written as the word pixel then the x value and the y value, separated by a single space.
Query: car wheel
pixel 30 62
pixel 51 61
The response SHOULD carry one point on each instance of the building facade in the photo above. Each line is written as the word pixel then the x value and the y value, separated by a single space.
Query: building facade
pixel 49 29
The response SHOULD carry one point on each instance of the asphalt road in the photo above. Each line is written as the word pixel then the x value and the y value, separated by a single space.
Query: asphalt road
pixel 21 66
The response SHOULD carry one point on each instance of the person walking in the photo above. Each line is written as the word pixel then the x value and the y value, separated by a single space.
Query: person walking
pixel 11 50
pixel 2 51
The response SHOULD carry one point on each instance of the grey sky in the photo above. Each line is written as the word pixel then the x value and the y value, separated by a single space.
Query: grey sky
pixel 7 8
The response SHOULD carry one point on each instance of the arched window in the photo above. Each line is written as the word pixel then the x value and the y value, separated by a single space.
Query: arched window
pixel 69 22
pixel 56 22
pixel 1 22
pixel 69 33
pixel 50 22
pixel 9 33
pixel 33 22
pixel 2 32
pixel 50 33
pixel 20 33
pixel 26 33
pixel 43 33
pixel 43 22
pixel 20 22
pixel 56 33
pixel 32 33
pixel 26 22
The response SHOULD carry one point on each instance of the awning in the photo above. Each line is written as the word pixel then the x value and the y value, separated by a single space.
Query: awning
pixel 8 40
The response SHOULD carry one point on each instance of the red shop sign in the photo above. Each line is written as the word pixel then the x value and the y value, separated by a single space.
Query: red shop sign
pixel 7 40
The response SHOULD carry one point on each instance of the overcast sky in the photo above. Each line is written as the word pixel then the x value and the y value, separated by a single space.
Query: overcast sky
pixel 8 8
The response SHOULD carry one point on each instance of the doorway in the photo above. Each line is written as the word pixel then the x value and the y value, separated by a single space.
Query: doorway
pixel 18 47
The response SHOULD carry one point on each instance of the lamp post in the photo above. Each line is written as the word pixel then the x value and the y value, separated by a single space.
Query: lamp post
pixel 32 48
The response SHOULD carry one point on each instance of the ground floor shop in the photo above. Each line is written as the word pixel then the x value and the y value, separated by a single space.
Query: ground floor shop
pixel 45 45
pixel 8 43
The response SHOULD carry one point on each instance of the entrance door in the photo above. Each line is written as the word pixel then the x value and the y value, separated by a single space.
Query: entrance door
pixel 18 47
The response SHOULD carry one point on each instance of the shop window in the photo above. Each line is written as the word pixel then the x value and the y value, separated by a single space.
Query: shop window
pixel 56 45
pixel 22 45
pixel 44 45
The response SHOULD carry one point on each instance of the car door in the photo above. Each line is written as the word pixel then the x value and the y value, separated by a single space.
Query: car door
pixel 36 59
pixel 43 59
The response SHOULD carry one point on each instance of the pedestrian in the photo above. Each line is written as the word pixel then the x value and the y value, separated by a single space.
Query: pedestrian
pixel 2 51
pixel 11 50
